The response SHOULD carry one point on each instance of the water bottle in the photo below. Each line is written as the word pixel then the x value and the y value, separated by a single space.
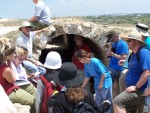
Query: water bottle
pixel 146 109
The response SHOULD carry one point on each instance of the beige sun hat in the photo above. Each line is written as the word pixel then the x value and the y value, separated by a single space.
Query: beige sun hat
pixel 142 29
pixel 25 24
pixel 134 35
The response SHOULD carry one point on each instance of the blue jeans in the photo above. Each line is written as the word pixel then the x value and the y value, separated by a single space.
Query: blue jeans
pixel 32 68
pixel 104 94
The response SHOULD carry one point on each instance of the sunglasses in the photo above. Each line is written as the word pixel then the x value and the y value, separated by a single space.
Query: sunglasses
pixel 28 27
pixel 128 41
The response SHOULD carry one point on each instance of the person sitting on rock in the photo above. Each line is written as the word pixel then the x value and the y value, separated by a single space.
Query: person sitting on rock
pixel 25 39
pixel 8 77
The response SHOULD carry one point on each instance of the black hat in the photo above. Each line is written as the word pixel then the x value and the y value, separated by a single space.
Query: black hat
pixel 68 75
pixel 111 34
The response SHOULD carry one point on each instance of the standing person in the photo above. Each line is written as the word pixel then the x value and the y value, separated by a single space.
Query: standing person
pixel 143 30
pixel 65 101
pixel 41 18
pixel 136 78
pixel 80 45
pixel 53 63
pixel 8 78
pixel 102 80
pixel 25 39
pixel 119 51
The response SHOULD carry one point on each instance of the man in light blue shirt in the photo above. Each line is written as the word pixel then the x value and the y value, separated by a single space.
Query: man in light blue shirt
pixel 25 39
pixel 41 18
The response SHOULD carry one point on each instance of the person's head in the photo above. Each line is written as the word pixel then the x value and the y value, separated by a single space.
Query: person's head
pixel 25 27
pixel 78 40
pixel 53 61
pixel 7 52
pixel 21 55
pixel 113 36
pixel 83 56
pixel 142 29
pixel 35 1
pixel 134 41
pixel 71 78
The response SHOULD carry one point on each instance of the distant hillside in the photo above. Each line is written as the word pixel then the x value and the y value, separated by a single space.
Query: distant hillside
pixel 120 19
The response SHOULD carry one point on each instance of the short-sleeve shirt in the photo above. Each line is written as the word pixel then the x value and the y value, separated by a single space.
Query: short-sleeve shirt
pixel 43 12
pixel 95 69
pixel 136 68
pixel 147 41
pixel 121 48
pixel 26 42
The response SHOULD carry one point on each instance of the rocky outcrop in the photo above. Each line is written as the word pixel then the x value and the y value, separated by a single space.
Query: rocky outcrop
pixel 70 26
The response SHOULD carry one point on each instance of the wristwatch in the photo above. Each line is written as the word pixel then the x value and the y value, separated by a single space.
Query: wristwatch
pixel 136 88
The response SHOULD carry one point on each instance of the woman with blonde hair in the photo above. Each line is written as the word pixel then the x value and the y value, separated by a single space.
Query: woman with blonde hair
pixel 7 76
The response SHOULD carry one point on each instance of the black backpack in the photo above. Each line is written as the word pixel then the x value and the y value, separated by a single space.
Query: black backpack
pixel 83 107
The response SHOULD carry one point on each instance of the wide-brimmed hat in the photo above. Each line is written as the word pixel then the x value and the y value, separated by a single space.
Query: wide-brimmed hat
pixel 111 34
pixel 53 60
pixel 142 29
pixel 135 36
pixel 25 24
pixel 68 75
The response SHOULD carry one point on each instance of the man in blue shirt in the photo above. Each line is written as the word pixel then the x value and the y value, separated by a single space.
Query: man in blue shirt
pixel 143 30
pixel 119 51
pixel 136 78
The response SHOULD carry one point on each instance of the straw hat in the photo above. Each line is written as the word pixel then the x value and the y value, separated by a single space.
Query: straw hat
pixel 25 24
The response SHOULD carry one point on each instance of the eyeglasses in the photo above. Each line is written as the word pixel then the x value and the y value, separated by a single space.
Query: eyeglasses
pixel 128 41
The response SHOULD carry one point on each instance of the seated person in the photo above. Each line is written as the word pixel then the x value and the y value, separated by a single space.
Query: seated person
pixel 25 39
pixel 41 16
pixel 21 76
pixel 8 78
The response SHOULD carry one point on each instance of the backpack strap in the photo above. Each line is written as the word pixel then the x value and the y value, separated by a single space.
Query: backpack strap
pixel 137 55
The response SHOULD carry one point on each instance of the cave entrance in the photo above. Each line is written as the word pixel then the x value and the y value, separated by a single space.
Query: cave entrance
pixel 63 44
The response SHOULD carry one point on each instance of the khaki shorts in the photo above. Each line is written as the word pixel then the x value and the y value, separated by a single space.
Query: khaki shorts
pixel 129 101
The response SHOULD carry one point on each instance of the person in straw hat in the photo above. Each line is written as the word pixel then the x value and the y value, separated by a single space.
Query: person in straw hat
pixel 143 30
pixel 25 39
pixel 136 78
pixel 72 79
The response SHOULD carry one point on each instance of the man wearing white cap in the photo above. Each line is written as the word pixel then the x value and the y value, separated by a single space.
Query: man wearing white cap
pixel 143 30
pixel 25 39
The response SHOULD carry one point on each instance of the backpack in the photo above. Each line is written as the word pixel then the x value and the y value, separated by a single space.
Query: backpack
pixel 47 93
pixel 83 107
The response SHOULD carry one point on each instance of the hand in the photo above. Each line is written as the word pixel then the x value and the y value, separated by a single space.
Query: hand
pixel 147 92
pixel 100 86
pixel 121 62
pixel 130 89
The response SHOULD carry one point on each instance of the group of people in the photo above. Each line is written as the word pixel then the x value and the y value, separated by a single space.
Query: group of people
pixel 68 83
pixel 135 80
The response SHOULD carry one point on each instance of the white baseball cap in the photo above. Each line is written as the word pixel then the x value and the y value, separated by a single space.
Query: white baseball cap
pixel 53 60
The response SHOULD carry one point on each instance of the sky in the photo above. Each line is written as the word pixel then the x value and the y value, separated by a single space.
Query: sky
pixel 59 8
